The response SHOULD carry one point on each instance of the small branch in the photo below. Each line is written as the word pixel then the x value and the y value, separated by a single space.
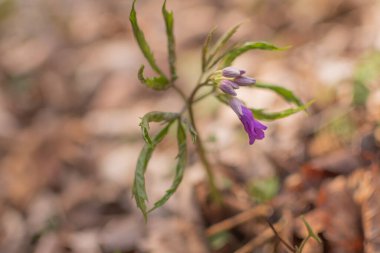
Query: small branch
pixel 200 148
pixel 287 245
pixel 203 96
pixel 257 211
pixel 300 249
pixel 180 92
pixel 260 239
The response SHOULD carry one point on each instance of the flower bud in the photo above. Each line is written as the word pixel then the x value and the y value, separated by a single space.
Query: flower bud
pixel 227 88
pixel 232 72
pixel 244 81
pixel 230 83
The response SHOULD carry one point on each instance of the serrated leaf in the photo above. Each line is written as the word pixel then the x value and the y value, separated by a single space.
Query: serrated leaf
pixel 283 92
pixel 156 83
pixel 221 43
pixel 180 167
pixel 169 24
pixel 205 49
pixel 138 189
pixel 310 231
pixel 269 116
pixel 154 117
pixel 236 52
pixel 141 41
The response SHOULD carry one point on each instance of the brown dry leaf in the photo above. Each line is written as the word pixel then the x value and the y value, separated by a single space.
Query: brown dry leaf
pixel 366 186
pixel 342 224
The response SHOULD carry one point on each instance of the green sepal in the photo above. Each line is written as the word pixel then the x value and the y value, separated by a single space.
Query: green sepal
pixel 156 83
pixel 180 167
pixel 154 117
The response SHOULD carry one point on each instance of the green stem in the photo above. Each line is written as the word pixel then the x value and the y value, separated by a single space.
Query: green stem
pixel 199 143
pixel 300 249
pixel 215 194
pixel 180 92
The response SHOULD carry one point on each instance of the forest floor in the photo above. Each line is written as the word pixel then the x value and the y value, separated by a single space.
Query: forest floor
pixel 70 106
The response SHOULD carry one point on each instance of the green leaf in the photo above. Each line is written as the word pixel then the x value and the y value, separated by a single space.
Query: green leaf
pixel 205 49
pixel 143 44
pixel 234 53
pixel 269 116
pixel 191 130
pixel 360 93
pixel 265 189
pixel 366 72
pixel 310 231
pixel 219 240
pixel 283 92
pixel 138 189
pixel 156 83
pixel 221 43
pixel 180 168
pixel 169 24
pixel 154 117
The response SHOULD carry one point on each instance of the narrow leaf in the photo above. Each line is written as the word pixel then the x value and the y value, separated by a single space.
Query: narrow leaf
pixel 180 168
pixel 141 41
pixel 283 92
pixel 138 189
pixel 221 43
pixel 205 49
pixel 191 130
pixel 169 24
pixel 234 53
pixel 269 116
pixel 154 117
pixel 156 83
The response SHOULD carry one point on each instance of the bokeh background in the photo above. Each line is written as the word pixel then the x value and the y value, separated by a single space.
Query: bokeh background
pixel 70 104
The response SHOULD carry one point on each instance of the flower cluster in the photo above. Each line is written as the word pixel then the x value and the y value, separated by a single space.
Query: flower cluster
pixel 232 79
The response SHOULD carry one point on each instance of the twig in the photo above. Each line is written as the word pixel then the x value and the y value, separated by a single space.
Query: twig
pixel 258 211
pixel 288 246
pixel 258 240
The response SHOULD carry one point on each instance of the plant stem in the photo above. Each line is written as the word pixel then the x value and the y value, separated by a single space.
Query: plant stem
pixel 180 92
pixel 300 249
pixel 199 143
pixel 201 150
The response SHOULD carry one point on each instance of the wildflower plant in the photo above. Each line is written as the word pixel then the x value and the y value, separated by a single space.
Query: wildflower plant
pixel 221 80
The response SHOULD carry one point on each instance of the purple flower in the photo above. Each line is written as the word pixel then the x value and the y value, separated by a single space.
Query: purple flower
pixel 232 72
pixel 254 128
pixel 226 87
pixel 244 80
pixel 230 83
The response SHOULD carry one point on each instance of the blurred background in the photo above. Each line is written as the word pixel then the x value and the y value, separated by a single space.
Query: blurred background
pixel 70 104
